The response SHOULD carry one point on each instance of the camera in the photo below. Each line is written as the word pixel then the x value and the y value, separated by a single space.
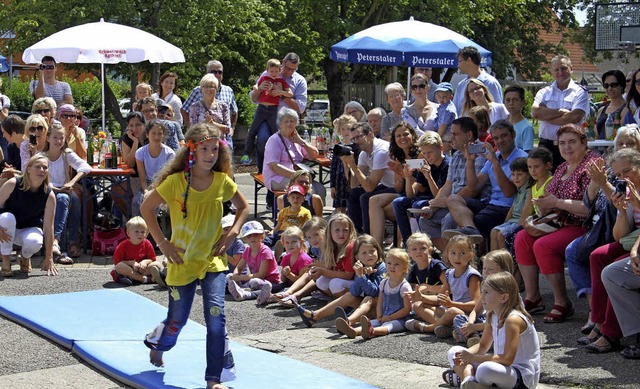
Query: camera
pixel 342 150
pixel 32 139
pixel 476 148
pixel 621 187
pixel 47 67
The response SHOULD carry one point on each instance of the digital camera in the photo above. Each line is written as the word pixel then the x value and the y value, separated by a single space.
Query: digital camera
pixel 340 150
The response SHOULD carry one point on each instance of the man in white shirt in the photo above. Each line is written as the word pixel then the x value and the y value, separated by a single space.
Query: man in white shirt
pixel 369 177
pixel 563 102
pixel 469 63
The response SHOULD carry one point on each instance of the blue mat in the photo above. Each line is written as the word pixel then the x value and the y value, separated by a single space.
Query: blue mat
pixel 106 328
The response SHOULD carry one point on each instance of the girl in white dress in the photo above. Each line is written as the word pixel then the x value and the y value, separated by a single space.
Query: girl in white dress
pixel 515 362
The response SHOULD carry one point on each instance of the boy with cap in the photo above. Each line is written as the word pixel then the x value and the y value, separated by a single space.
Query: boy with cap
pixel 293 215
pixel 446 109
pixel 262 268
pixel 234 253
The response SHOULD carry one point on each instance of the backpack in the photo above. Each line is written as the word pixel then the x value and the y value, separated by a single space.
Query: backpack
pixel 104 242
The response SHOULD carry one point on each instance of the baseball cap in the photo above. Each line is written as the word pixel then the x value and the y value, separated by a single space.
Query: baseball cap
pixel 444 87
pixel 228 220
pixel 296 188
pixel 252 227
pixel 161 103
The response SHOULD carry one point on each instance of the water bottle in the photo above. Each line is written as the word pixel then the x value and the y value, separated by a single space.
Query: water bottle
pixel 306 137
pixel 608 127
pixel 314 137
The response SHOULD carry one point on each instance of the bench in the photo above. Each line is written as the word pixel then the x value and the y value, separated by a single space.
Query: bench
pixel 258 183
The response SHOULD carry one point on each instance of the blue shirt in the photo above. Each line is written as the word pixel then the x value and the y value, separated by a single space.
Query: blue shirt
pixel 446 114
pixel 497 197
pixel 297 86
pixel 524 134
pixel 439 174
pixel 225 94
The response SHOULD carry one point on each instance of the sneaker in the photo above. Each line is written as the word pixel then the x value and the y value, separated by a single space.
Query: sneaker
pixel 265 293
pixel 124 280
pixel 473 234
pixel 245 160
pixel 414 325
pixel 367 330
pixel 458 337
pixel 443 332
pixel 343 327
pixel 236 291
pixel 473 340
pixel 157 276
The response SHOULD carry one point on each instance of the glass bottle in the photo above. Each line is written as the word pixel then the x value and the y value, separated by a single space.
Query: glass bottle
pixel 608 127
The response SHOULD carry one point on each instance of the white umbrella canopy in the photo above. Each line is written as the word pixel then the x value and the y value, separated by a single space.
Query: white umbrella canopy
pixel 104 43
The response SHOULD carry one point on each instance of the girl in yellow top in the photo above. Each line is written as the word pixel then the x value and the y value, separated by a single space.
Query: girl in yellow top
pixel 539 163
pixel 194 186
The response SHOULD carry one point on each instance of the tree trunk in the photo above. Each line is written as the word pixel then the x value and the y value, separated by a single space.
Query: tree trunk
pixel 335 85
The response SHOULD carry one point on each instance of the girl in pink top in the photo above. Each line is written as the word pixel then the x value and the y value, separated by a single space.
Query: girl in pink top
pixel 295 261
pixel 262 267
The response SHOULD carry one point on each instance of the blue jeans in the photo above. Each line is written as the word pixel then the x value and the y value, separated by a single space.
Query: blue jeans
pixel 180 300
pixel 264 133
pixel 358 206
pixel 400 206
pixel 67 214
pixel 580 273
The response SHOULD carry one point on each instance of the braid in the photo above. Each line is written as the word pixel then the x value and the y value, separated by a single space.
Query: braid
pixel 187 173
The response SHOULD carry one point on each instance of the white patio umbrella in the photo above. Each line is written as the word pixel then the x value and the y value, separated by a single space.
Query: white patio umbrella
pixel 103 43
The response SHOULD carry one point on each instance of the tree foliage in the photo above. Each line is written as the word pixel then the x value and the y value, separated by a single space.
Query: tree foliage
pixel 243 34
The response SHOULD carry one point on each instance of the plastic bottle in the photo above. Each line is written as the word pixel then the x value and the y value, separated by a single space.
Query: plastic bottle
pixel 306 137
pixel 616 123
pixel 314 137
pixel 608 127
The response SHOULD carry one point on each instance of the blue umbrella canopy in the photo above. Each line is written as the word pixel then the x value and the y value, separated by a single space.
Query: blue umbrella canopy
pixel 410 43
pixel 4 65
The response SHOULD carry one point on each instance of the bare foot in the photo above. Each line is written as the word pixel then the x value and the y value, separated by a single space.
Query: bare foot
pixel 215 385
pixel 155 357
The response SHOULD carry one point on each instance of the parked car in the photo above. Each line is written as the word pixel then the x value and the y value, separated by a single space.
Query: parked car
pixel 317 112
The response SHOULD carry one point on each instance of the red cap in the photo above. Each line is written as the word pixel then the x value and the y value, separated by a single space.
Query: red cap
pixel 296 188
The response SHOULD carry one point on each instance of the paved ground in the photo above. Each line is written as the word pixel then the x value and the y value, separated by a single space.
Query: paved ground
pixel 396 361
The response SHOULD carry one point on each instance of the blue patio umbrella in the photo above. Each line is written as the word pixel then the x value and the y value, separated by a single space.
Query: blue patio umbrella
pixel 408 43
pixel 4 65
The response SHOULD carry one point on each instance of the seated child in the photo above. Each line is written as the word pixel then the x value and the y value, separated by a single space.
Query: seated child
pixel 466 328
pixel 295 261
pixel 268 102
pixel 393 306
pixel 293 215
pixel 426 276
pixel 314 231
pixel 504 235
pixel 446 109
pixel 134 258
pixel 234 253
pixel 262 267
pixel 515 361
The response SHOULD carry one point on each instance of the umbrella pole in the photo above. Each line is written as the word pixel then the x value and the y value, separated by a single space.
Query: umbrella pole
pixel 408 85
pixel 102 84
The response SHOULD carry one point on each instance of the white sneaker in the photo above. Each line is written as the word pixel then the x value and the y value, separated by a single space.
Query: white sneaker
pixel 265 293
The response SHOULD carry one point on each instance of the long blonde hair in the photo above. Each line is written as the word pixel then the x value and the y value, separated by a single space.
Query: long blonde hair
pixel 26 185
pixel 184 159
pixel 468 102
pixel 504 283
pixel 331 253
pixel 500 257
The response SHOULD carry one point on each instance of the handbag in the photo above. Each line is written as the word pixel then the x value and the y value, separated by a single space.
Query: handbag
pixel 599 224
pixel 298 165
pixel 547 224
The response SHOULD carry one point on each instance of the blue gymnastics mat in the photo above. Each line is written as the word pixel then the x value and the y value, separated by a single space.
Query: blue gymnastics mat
pixel 106 328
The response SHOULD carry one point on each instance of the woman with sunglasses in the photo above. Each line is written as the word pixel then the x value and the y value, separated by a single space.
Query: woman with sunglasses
pixel 614 83
pixel 75 136
pixel 35 138
pixel 631 114
pixel 421 115
pixel 477 94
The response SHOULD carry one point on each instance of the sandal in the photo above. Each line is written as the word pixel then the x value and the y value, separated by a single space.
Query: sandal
pixel 56 250
pixel 586 340
pixel 443 332
pixel 74 250
pixel 280 296
pixel 343 327
pixel 565 313
pixel 534 306
pixel 25 265
pixel 339 312
pixel 612 345
pixel 631 352
pixel 63 259
pixel 451 378
pixel 289 302
pixel 414 325
pixel 367 328
pixel 6 273
pixel 308 321
pixel 587 328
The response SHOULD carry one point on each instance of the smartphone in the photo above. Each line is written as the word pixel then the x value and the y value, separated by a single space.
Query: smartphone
pixel 415 163
pixel 476 148
pixel 621 187
pixel 32 139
